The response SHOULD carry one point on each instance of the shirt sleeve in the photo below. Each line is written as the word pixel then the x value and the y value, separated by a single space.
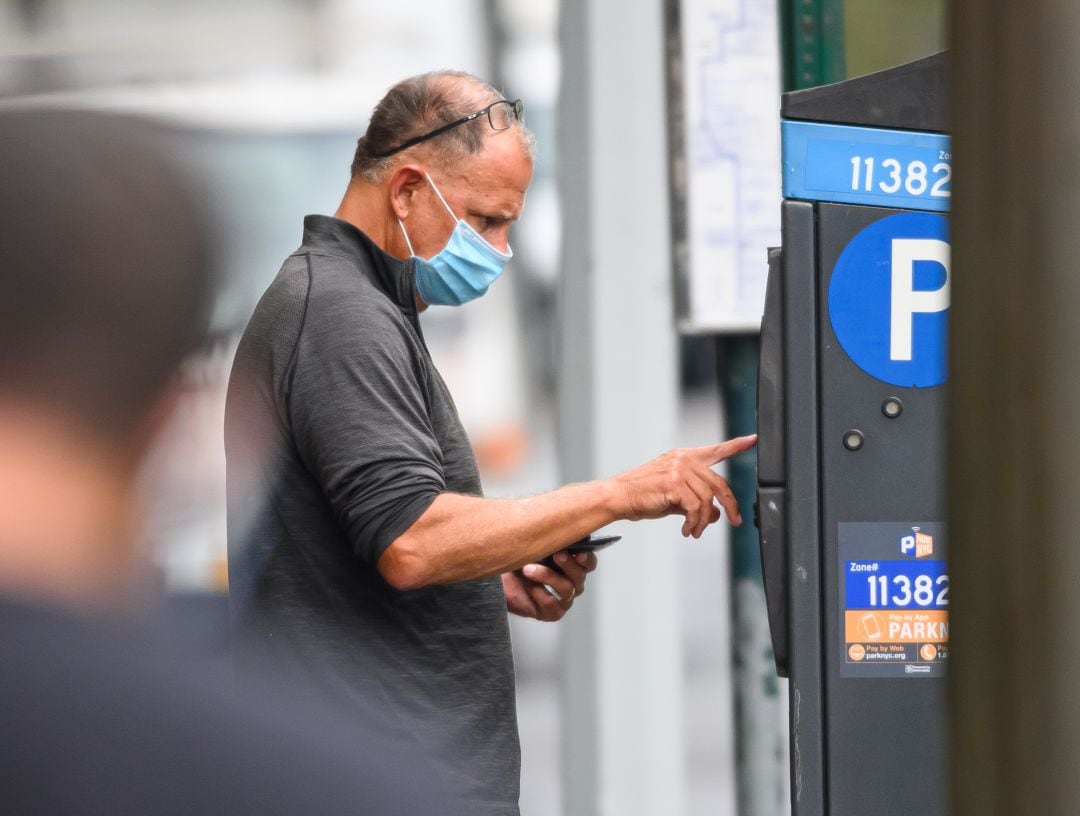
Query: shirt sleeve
pixel 360 419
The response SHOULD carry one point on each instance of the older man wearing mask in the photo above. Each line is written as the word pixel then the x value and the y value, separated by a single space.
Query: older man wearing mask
pixel 362 551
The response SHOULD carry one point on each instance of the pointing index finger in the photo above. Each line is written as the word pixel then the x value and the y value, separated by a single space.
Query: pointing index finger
pixel 725 450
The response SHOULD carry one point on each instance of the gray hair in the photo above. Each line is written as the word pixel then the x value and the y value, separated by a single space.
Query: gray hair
pixel 423 103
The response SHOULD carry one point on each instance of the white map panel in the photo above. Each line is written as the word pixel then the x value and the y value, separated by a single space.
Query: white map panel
pixel 731 56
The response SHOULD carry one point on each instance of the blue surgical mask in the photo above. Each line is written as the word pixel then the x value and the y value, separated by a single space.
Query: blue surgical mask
pixel 462 270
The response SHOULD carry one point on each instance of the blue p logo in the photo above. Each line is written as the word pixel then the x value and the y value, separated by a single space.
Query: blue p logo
pixel 889 299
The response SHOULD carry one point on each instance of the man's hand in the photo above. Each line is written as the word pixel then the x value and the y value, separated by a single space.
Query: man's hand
pixel 682 481
pixel 527 596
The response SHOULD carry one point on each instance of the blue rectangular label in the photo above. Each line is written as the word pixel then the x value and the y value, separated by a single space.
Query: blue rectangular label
pixel 860 165
pixel 873 584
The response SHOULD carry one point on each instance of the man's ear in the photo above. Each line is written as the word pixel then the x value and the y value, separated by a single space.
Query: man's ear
pixel 406 181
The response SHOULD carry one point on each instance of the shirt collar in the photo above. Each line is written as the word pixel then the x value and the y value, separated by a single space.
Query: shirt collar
pixel 396 278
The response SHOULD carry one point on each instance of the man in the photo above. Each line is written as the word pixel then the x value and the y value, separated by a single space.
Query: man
pixel 362 552
pixel 105 273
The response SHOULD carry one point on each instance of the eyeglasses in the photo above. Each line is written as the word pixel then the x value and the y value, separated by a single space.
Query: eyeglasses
pixel 500 116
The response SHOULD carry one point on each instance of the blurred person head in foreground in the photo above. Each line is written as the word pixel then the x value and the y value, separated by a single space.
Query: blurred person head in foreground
pixel 105 271
pixel 106 283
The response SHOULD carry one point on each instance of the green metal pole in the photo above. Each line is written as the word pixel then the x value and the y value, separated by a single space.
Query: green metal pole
pixel 812 42
pixel 761 766
pixel 812 48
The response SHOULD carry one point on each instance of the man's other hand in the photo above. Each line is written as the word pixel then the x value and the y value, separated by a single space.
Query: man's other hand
pixel 540 592
pixel 682 482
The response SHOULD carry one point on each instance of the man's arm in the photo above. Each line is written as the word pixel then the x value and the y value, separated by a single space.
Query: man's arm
pixel 459 538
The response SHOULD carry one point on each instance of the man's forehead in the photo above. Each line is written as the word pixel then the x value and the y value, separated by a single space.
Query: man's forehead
pixel 504 161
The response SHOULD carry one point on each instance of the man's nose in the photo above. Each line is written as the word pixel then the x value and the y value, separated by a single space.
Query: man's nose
pixel 501 239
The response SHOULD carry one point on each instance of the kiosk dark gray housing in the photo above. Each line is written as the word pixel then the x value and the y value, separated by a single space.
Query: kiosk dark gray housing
pixel 850 456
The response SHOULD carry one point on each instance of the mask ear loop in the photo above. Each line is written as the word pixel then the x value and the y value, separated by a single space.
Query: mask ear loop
pixel 408 243
pixel 443 200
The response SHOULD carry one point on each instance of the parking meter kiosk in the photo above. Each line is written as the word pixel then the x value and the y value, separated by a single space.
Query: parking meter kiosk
pixel 850 455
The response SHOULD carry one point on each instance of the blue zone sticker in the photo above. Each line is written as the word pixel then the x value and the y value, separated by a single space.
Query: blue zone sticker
pixel 873 584
pixel 889 299
pixel 894 599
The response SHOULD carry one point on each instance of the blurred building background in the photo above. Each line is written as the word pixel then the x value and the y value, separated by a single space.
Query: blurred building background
pixel 265 99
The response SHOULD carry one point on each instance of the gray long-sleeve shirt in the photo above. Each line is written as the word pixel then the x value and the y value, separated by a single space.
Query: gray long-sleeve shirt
pixel 339 434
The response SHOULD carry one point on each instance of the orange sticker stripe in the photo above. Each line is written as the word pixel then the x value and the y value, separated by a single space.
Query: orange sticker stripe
pixel 896 626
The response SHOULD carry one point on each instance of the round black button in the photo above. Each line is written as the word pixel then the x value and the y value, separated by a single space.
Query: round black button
pixel 853 440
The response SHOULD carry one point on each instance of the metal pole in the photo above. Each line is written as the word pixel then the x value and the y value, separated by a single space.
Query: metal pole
pixel 813 54
pixel 1014 449
pixel 622 733
pixel 812 40
pixel 761 755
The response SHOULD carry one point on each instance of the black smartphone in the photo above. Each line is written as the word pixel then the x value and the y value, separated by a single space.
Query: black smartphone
pixel 587 544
